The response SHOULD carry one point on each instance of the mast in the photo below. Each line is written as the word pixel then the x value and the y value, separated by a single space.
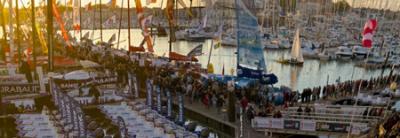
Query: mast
pixel 101 23
pixel 11 27
pixel 18 31
pixel 50 29
pixel 120 24
pixel 129 25
pixel 3 26
pixel 80 19
pixel 34 37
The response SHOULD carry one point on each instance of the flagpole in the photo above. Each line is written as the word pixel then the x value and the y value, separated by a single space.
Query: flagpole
pixel 120 22
pixel 129 24
pixel 80 20
pixel 34 37
pixel 101 23
pixel 18 32
pixel 11 53
pixel 209 55
pixel 50 29
pixel 94 20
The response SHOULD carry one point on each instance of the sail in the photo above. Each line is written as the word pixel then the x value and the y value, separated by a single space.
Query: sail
pixel 296 48
pixel 250 55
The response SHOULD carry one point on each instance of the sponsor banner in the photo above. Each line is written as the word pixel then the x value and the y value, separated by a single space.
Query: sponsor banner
pixel 291 124
pixel 73 84
pixel 18 78
pixel 308 125
pixel 333 127
pixel 358 128
pixel 10 89
pixel 277 123
pixel 261 122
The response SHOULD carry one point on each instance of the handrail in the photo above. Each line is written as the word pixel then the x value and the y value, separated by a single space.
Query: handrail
pixel 328 118
pixel 328 114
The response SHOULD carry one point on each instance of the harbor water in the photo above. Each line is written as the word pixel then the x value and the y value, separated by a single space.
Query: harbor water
pixel 313 72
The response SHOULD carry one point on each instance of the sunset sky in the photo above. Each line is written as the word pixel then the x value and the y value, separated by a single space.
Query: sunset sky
pixel 85 2
pixel 379 4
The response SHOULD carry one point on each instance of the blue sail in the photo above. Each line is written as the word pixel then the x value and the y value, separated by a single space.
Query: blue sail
pixel 250 55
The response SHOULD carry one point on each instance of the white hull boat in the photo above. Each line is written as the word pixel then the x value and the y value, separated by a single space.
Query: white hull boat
pixel 344 53
pixel 359 52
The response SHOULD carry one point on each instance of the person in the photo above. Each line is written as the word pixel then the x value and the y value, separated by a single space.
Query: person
pixel 244 102
pixel 25 69
pixel 277 114
pixel 220 103
pixel 93 91
pixel 307 110
pixel 299 110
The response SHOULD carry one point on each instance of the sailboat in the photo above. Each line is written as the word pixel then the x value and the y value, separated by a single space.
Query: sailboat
pixel 296 54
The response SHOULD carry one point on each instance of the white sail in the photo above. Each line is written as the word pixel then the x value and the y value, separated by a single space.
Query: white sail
pixel 296 48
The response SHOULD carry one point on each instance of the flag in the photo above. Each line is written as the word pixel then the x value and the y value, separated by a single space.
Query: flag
pixel 86 35
pixel 61 23
pixel 88 7
pixel 75 15
pixel 42 40
pixel 218 36
pixel 112 3
pixel 112 39
pixel 368 33
pixel 142 21
pixel 169 11
pixel 197 51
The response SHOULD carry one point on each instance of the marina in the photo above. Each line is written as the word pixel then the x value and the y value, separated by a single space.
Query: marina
pixel 199 69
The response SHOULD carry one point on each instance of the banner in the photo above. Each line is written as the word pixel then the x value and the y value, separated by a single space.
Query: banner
pixel 158 91
pixel 291 124
pixel 181 116
pixel 73 84
pixel 261 122
pixel 332 127
pixel 149 92
pixel 358 128
pixel 169 104
pixel 250 57
pixel 10 89
pixel 308 125
pixel 277 123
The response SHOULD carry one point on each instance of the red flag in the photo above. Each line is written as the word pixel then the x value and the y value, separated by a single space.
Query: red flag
pixel 141 18
pixel 61 23
pixel 368 33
